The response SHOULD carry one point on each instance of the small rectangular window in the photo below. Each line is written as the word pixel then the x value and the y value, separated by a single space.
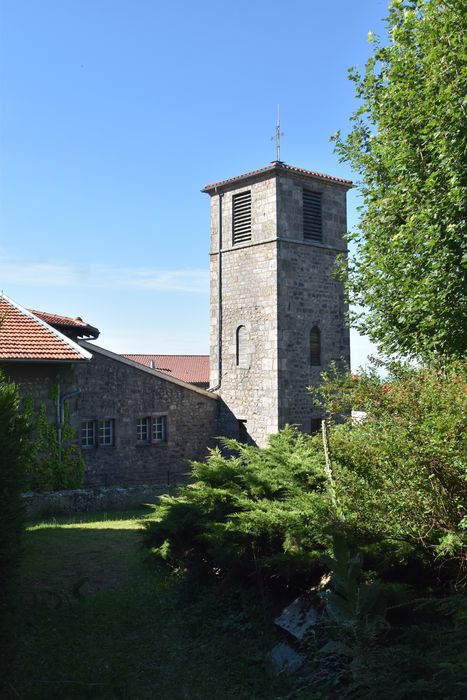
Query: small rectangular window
pixel 312 216
pixel 143 430
pixel 88 433
pixel 106 433
pixel 241 217
pixel 159 429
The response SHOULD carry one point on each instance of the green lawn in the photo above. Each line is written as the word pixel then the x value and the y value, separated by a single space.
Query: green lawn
pixel 99 619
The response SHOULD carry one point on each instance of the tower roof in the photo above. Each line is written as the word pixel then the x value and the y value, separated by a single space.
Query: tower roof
pixel 276 167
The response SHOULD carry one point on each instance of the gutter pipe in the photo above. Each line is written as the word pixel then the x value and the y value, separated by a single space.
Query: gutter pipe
pixel 219 300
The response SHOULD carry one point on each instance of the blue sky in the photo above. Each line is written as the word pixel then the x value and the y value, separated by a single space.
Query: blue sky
pixel 115 113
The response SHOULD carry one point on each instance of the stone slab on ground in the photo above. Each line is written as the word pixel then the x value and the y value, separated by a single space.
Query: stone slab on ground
pixel 284 658
pixel 298 618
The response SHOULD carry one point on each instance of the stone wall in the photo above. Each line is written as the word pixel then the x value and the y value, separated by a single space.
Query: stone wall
pixel 125 391
pixel 249 298
pixel 120 390
pixel 97 500
pixel 308 296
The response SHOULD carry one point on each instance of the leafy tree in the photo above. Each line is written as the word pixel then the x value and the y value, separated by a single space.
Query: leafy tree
pixel 408 143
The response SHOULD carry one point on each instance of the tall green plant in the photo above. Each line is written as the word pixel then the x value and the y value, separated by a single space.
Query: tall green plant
pixel 14 448
pixel 401 473
pixel 53 465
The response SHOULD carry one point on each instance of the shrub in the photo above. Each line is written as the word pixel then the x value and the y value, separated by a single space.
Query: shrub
pixel 256 511
pixel 401 473
pixel 398 493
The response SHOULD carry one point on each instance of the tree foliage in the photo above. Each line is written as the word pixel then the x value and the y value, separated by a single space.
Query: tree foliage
pixel 401 474
pixel 52 464
pixel 14 448
pixel 408 143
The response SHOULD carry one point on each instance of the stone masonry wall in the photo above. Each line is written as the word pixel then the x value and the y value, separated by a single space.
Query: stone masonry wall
pixel 308 296
pixel 120 390
pixel 123 392
pixel 249 298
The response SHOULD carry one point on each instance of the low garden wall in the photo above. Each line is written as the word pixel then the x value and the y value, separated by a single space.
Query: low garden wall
pixel 55 503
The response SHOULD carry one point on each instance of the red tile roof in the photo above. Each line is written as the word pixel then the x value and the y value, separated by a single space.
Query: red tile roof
pixel 24 336
pixel 277 166
pixel 193 369
pixel 76 326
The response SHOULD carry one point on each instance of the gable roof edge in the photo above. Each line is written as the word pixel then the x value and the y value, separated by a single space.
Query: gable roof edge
pixel 143 368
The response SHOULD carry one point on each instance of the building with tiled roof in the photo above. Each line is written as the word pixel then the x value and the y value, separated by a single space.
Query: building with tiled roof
pixel 24 337
pixel 193 369
pixel 135 423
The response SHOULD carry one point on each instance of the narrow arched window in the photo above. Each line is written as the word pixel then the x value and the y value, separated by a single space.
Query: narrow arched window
pixel 242 347
pixel 315 346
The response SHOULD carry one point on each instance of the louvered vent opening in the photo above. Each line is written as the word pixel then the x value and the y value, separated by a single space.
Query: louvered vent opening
pixel 241 204
pixel 312 224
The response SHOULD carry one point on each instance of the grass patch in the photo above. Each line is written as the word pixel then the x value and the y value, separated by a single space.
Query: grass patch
pixel 100 620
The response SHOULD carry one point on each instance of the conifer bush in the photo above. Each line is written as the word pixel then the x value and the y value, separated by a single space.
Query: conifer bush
pixel 255 511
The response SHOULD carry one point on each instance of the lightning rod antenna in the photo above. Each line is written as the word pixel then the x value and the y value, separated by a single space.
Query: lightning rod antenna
pixel 277 136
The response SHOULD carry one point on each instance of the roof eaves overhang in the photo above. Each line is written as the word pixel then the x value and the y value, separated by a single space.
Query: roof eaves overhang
pixel 275 168
pixel 43 361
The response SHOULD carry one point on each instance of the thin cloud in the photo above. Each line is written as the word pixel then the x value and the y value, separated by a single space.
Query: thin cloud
pixel 101 277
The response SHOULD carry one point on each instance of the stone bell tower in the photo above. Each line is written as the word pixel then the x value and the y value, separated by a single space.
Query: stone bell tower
pixel 277 313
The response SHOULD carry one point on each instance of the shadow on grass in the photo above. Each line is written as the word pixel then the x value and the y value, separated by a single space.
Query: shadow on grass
pixel 58 558
pixel 112 625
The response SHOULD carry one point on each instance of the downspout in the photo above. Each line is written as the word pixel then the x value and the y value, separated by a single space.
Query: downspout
pixel 219 301
pixel 61 416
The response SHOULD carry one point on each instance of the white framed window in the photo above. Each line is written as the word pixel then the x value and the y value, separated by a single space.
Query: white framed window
pixel 106 432
pixel 88 433
pixel 143 430
pixel 159 429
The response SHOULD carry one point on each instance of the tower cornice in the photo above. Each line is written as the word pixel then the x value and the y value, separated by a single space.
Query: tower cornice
pixel 274 168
